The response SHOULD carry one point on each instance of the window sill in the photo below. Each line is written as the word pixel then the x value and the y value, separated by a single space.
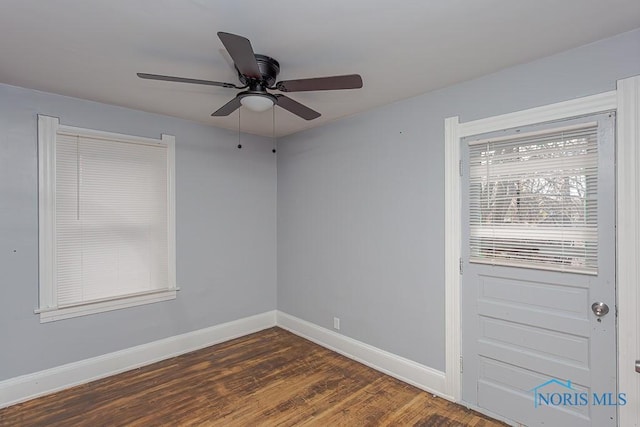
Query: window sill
pixel 52 315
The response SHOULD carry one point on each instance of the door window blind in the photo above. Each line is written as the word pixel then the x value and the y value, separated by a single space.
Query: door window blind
pixel 110 219
pixel 533 200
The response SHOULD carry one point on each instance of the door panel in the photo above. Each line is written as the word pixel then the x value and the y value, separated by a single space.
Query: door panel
pixel 523 327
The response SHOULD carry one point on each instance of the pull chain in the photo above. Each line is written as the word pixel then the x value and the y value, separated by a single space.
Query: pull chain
pixel 239 145
pixel 273 109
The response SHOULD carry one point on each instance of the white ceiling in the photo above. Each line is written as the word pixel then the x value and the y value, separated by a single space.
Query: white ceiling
pixel 93 49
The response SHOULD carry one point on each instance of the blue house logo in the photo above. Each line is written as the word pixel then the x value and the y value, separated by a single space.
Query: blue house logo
pixel 558 393
pixel 554 399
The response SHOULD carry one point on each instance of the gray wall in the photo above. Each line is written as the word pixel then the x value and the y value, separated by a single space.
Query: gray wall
pixel 360 201
pixel 360 218
pixel 226 234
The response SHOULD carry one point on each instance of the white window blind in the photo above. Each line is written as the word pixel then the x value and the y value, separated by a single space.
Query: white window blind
pixel 111 218
pixel 107 220
pixel 533 200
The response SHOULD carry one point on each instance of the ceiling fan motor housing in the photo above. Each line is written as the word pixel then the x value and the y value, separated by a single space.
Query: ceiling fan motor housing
pixel 269 68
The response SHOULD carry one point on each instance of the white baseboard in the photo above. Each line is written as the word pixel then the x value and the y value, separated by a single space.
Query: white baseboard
pixel 405 370
pixel 27 387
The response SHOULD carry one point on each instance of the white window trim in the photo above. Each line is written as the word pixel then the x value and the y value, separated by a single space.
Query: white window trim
pixel 454 132
pixel 48 128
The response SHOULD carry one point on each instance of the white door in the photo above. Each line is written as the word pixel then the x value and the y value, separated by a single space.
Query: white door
pixel 538 251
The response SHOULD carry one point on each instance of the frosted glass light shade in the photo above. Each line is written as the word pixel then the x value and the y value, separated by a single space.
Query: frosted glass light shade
pixel 257 103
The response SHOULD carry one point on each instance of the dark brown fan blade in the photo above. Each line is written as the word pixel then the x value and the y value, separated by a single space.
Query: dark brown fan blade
pixel 296 108
pixel 349 81
pixel 227 108
pixel 241 52
pixel 184 80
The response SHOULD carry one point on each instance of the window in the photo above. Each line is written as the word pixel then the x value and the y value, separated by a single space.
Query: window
pixel 533 200
pixel 107 230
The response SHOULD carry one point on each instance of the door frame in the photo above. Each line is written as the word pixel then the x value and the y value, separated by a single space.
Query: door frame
pixel 626 101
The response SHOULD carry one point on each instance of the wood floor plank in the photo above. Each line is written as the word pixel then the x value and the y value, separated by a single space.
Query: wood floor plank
pixel 270 378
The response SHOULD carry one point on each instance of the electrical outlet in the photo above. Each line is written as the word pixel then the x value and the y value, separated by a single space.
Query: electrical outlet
pixel 336 323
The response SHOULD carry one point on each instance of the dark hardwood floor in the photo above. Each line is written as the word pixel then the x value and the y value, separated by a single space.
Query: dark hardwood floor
pixel 270 378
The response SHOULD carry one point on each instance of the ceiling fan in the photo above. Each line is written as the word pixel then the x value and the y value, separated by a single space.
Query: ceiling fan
pixel 258 73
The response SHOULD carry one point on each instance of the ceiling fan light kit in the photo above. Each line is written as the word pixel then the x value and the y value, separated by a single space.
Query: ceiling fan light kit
pixel 258 102
pixel 258 73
